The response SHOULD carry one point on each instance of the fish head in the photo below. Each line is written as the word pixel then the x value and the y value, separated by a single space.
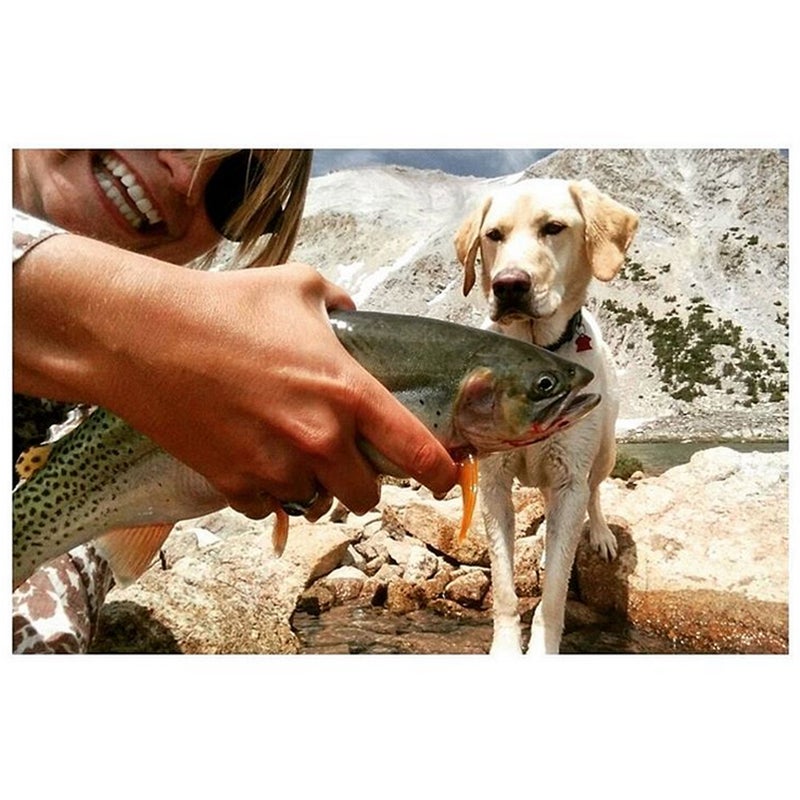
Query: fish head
pixel 504 406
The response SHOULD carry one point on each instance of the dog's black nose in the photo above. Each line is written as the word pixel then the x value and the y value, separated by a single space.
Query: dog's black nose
pixel 511 284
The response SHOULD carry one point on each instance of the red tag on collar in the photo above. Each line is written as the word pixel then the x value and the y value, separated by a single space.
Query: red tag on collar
pixel 583 342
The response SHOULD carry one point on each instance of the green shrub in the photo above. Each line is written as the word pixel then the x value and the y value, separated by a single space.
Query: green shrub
pixel 625 466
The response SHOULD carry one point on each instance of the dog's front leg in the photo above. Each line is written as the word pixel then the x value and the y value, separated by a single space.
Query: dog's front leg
pixel 496 478
pixel 565 516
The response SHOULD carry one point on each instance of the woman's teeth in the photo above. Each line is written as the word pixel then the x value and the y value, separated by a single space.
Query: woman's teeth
pixel 125 193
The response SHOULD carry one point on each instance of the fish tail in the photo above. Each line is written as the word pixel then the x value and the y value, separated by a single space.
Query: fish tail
pixel 280 533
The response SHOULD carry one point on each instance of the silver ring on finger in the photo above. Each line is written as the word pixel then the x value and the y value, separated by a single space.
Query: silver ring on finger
pixel 298 508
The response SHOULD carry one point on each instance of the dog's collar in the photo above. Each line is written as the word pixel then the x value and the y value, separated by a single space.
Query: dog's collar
pixel 574 328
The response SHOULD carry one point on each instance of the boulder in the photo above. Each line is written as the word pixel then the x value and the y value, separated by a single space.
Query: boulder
pixel 231 596
pixel 703 553
pixel 437 523
pixel 469 589
pixel 346 583
pixel 403 596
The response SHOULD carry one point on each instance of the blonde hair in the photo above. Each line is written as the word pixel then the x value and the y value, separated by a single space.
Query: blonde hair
pixel 281 189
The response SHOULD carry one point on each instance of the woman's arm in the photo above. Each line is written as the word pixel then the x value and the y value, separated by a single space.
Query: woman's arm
pixel 237 374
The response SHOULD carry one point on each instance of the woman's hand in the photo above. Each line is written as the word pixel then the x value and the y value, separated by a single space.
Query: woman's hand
pixel 237 374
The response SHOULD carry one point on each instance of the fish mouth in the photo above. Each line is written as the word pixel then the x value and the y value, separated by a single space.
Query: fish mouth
pixel 570 409
pixel 562 413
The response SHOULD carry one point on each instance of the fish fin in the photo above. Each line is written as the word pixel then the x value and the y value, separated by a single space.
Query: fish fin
pixel 468 481
pixel 130 551
pixel 30 461
pixel 280 533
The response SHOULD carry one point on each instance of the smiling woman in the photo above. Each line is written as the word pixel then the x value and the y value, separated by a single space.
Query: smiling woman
pixel 175 205
pixel 237 374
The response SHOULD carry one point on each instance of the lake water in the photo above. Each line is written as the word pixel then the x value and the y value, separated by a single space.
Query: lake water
pixel 657 457
pixel 353 629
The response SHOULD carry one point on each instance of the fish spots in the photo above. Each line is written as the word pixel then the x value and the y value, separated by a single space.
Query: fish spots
pixel 63 498
pixel 32 460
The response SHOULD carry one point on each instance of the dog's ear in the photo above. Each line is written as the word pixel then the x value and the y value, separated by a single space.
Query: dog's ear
pixel 467 242
pixel 610 227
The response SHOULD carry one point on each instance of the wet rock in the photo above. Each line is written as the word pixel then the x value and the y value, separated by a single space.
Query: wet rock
pixel 403 597
pixel 373 592
pixel 468 590
pixel 346 583
pixel 579 615
pixel 317 598
pixel 605 585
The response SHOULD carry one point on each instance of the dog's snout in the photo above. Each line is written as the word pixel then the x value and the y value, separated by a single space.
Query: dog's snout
pixel 511 284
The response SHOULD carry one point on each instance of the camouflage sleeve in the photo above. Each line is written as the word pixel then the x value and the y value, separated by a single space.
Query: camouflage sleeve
pixel 57 609
pixel 27 232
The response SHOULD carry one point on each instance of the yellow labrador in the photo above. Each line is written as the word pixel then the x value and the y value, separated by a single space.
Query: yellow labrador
pixel 540 242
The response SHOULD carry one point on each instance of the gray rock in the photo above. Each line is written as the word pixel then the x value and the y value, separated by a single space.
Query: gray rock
pixel 437 524
pixel 234 596
pixel 353 558
pixel 703 553
pixel 421 564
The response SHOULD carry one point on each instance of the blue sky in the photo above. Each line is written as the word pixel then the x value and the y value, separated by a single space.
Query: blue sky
pixel 483 163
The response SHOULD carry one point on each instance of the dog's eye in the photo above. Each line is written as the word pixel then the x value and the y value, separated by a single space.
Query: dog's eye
pixel 553 228
pixel 494 234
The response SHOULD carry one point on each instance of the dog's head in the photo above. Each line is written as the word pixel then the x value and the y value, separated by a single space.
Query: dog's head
pixel 540 242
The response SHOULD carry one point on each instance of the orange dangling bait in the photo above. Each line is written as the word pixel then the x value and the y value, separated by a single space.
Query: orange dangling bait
pixel 468 481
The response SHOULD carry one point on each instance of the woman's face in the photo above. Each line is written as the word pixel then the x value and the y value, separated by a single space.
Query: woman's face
pixel 149 201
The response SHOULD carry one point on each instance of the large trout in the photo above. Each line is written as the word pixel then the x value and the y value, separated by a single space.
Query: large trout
pixel 477 391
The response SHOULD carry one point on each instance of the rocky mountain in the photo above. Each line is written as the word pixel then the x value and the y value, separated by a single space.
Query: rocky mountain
pixel 697 319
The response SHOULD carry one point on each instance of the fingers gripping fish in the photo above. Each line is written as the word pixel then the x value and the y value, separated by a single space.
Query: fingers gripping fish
pixel 478 392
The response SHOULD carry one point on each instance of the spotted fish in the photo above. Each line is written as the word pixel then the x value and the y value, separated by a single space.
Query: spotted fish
pixel 478 392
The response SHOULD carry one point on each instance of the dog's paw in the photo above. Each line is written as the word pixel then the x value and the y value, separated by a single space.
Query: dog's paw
pixel 506 642
pixel 604 543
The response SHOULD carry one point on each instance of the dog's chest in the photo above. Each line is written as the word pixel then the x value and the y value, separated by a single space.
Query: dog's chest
pixel 542 464
pixel 556 461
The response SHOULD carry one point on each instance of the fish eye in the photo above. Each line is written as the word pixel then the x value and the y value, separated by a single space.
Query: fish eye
pixel 494 234
pixel 553 228
pixel 546 383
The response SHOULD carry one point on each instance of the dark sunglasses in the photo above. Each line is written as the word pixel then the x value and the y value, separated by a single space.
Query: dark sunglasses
pixel 230 186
